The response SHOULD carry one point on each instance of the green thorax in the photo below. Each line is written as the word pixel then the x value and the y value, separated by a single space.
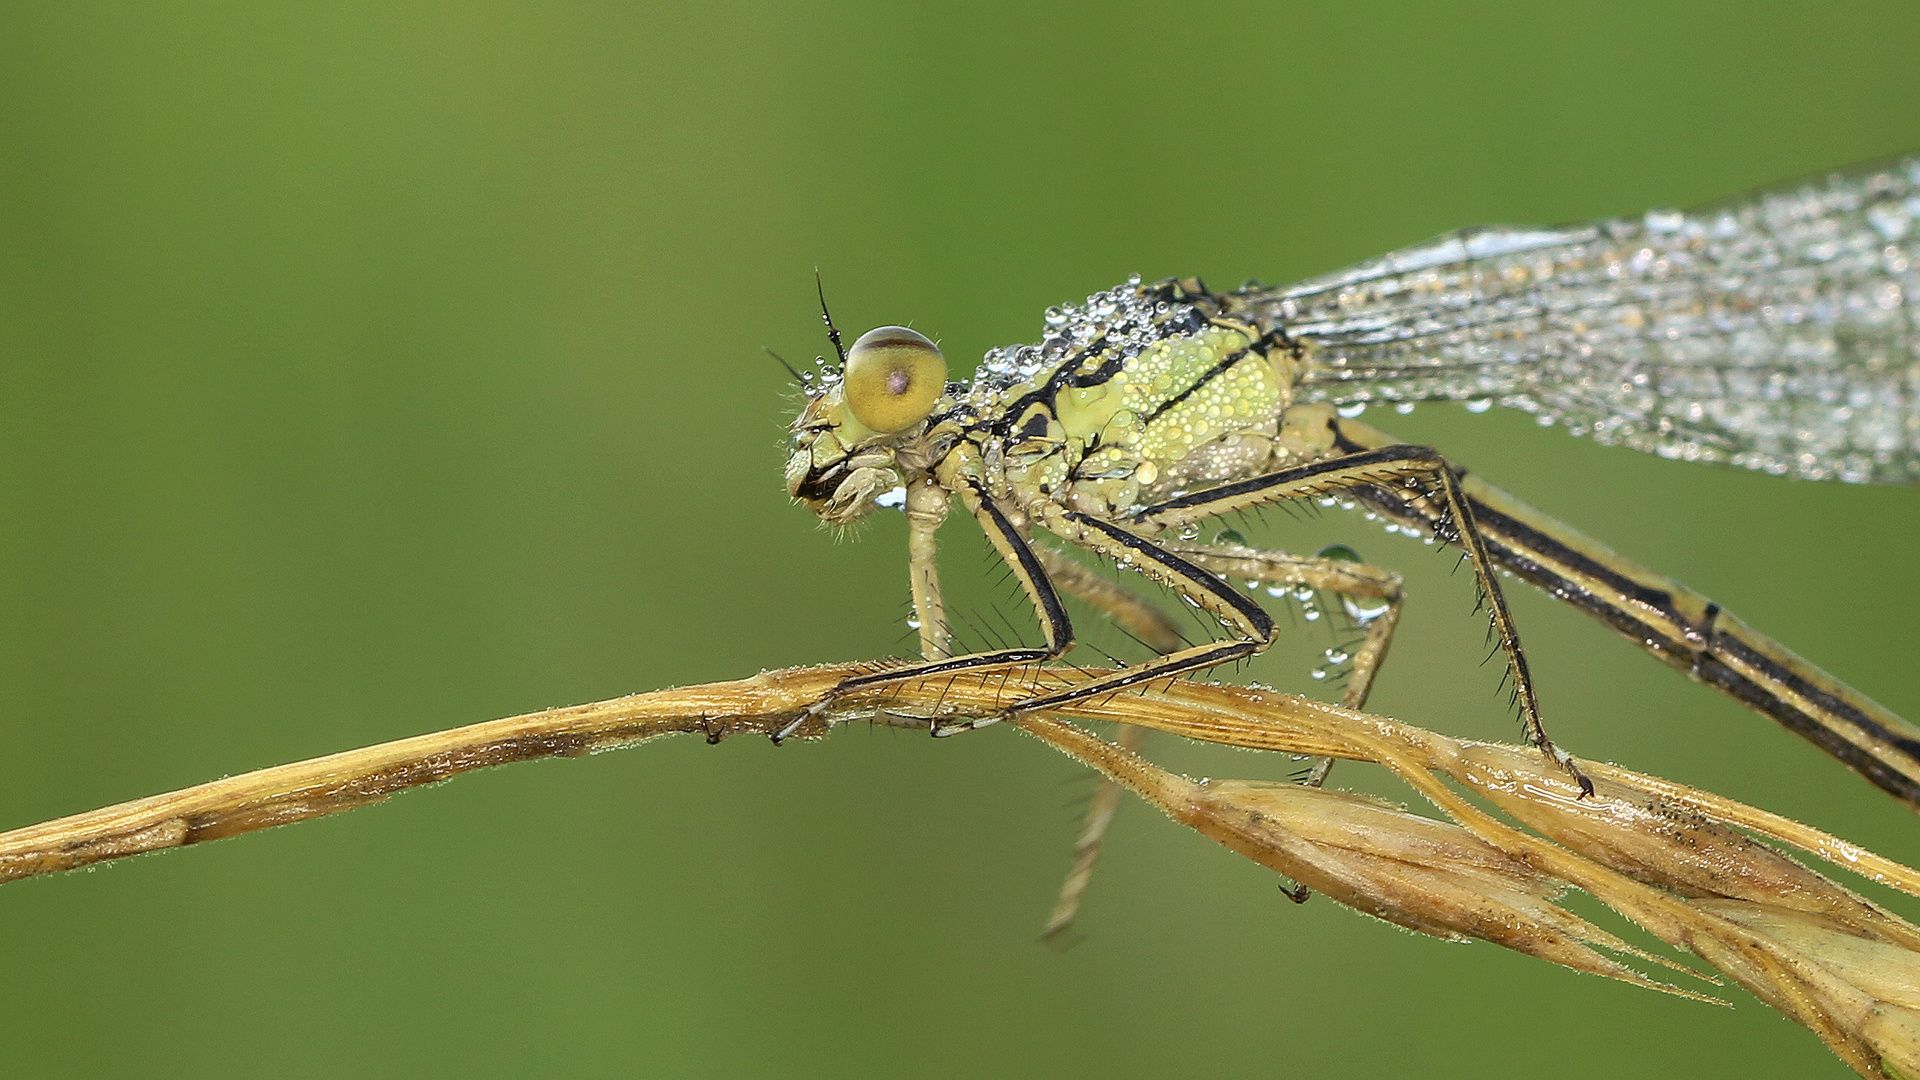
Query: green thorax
pixel 1188 398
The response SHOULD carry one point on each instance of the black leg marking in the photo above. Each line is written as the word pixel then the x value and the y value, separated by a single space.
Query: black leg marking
pixel 1392 472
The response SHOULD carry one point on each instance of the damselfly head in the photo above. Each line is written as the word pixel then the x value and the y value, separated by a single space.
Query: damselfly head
pixel 846 442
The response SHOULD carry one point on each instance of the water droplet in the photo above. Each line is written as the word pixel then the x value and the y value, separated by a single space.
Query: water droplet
pixel 1890 219
pixel 1353 411
pixel 1229 538
pixel 1336 656
pixel 1318 673
pixel 1665 221
pixel 1403 408
pixel 1189 531
pixel 1363 612
pixel 1311 614
pixel 1339 553
pixel 1253 585
pixel 913 624
pixel 1479 405
pixel 1303 593
pixel 1055 317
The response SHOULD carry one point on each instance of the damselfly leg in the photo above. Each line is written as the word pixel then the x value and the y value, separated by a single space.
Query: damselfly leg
pixel 1371 596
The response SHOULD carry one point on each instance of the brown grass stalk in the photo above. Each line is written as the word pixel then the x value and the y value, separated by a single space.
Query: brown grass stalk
pixel 1671 859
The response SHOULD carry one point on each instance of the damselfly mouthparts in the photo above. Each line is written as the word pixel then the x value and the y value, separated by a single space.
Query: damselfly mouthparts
pixel 1776 331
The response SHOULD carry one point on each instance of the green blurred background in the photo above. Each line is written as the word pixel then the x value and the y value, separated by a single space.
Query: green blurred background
pixel 372 368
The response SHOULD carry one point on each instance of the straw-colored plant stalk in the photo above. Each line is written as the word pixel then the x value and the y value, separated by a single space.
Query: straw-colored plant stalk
pixel 1676 861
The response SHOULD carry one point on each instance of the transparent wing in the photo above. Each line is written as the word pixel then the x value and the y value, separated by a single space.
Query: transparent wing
pixel 1775 331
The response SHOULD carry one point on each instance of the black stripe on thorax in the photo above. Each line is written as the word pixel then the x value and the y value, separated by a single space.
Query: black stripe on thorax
pixel 1206 377
pixel 1189 320
pixel 1062 376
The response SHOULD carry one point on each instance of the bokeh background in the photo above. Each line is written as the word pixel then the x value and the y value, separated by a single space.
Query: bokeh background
pixel 372 368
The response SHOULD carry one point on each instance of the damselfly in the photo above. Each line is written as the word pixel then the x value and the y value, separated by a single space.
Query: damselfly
pixel 1776 331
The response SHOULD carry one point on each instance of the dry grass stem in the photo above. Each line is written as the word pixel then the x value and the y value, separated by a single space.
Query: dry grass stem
pixel 1669 858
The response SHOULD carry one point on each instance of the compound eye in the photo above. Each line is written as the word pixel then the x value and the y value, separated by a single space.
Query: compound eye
pixel 894 375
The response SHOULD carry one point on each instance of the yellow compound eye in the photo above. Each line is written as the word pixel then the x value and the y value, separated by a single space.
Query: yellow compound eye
pixel 894 375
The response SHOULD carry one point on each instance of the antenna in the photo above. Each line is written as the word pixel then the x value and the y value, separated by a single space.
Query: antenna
pixel 798 379
pixel 833 332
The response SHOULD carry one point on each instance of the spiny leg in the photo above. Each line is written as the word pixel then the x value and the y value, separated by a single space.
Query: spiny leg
pixel 1386 468
pixel 1380 468
pixel 1093 834
pixel 1141 618
pixel 1237 613
pixel 1018 554
pixel 1133 613
pixel 1675 625
pixel 1348 579
pixel 926 507
pixel 1242 616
